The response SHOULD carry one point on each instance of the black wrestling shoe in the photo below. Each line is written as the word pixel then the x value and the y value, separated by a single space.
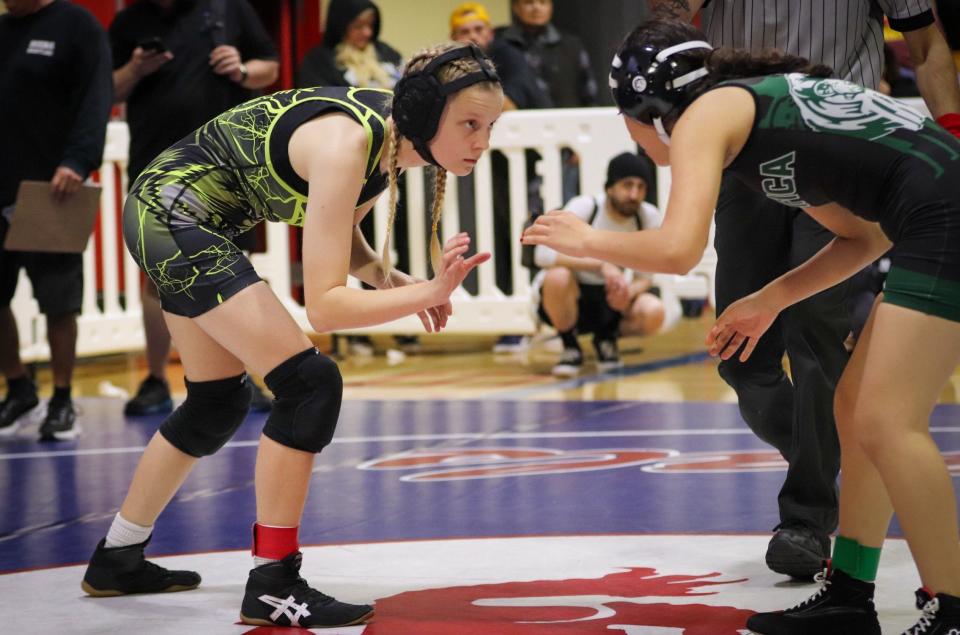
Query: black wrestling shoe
pixel 123 570
pixel 941 614
pixel 152 398
pixel 842 606
pixel 276 595
pixel 797 551
pixel 60 424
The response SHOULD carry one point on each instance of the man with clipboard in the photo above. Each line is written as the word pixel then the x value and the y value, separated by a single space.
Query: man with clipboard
pixel 55 76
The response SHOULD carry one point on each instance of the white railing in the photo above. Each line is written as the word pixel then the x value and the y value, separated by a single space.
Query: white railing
pixel 111 319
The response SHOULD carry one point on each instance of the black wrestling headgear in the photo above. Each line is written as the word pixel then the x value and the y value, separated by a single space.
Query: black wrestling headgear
pixel 419 97
pixel 648 81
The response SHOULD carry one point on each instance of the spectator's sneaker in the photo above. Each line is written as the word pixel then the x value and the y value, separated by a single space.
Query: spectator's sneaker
pixel 569 364
pixel 60 424
pixel 123 570
pixel 941 614
pixel 797 551
pixel 842 606
pixel 360 345
pixel 511 344
pixel 261 402
pixel 152 398
pixel 12 410
pixel 409 344
pixel 608 355
pixel 276 595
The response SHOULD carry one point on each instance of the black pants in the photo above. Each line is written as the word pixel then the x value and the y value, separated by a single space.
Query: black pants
pixel 756 241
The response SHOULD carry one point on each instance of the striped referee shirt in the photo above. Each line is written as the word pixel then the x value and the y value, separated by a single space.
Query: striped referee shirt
pixel 846 35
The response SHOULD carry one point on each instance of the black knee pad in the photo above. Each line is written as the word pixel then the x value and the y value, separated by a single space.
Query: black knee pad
pixel 211 413
pixel 308 390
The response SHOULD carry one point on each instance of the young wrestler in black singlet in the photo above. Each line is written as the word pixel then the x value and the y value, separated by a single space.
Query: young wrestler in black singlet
pixel 873 172
pixel 316 158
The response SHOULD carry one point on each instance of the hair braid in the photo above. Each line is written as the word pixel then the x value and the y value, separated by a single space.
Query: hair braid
pixel 447 73
pixel 392 180
pixel 439 189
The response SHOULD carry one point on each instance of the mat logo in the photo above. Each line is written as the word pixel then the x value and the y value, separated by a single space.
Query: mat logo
pixel 474 463
pixel 953 462
pixel 498 462
pixel 634 601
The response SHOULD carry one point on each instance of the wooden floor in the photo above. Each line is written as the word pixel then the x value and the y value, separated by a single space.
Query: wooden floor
pixel 665 368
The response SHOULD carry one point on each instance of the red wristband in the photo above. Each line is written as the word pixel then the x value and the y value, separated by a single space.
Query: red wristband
pixel 951 123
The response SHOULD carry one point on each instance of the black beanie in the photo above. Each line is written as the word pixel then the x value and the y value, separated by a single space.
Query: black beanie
pixel 627 164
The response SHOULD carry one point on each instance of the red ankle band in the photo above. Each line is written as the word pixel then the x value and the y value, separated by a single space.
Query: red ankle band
pixel 274 543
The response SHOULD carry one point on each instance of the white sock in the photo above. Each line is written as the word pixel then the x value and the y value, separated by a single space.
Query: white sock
pixel 259 562
pixel 124 533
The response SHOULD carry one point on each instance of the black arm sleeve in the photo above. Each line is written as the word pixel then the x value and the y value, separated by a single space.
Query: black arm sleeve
pixel 914 22
pixel 121 44
pixel 255 43
pixel 94 96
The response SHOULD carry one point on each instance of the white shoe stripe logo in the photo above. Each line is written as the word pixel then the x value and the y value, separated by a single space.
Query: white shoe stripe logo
pixel 283 607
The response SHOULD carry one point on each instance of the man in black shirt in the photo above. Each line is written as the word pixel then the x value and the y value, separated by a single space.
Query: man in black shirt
pixel 55 88
pixel 559 59
pixel 178 64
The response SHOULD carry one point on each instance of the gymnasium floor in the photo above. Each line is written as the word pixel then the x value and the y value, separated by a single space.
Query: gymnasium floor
pixel 465 493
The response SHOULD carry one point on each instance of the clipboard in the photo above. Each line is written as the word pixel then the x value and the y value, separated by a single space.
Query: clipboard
pixel 42 223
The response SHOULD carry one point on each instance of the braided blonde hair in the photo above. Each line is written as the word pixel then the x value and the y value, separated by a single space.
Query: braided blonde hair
pixel 449 72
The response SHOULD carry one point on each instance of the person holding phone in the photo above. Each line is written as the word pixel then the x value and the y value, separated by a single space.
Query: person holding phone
pixel 178 64
pixel 152 45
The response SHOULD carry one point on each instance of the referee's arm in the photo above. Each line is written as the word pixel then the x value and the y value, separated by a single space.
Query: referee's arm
pixel 679 9
pixel 936 74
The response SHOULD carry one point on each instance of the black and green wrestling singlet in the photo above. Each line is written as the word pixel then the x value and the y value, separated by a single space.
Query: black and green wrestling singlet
pixel 821 140
pixel 185 208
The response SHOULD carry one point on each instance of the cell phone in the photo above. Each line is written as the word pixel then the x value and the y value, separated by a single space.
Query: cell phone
pixel 152 44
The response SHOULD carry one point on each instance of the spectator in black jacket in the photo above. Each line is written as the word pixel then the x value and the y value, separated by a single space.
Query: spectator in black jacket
pixel 54 60
pixel 351 53
pixel 559 59
pixel 522 88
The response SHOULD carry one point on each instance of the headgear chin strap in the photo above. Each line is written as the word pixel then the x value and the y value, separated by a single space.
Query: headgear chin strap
pixel 419 97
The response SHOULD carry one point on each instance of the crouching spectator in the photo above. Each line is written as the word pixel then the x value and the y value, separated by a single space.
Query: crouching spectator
pixel 583 295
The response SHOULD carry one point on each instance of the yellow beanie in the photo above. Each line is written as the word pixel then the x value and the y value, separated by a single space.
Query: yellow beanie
pixel 467 12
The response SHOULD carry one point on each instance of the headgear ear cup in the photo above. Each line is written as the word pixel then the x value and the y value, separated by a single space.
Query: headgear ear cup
pixel 648 81
pixel 419 97
pixel 417 103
